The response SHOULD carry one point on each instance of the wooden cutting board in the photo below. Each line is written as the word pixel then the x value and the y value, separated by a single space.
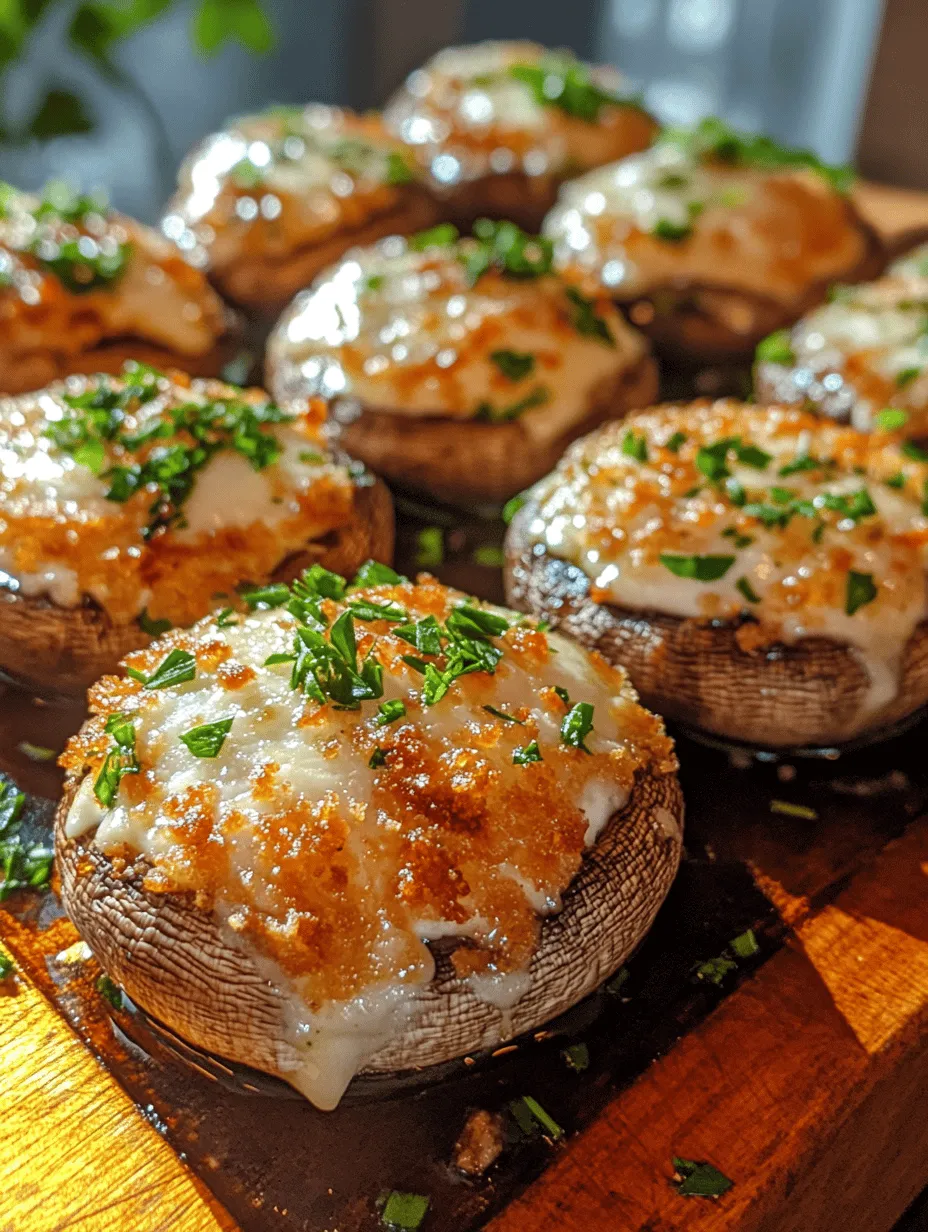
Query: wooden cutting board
pixel 803 1076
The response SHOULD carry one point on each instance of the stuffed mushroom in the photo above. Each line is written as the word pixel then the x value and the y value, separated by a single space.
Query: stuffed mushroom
pixel 760 572
pixel 712 239
pixel 373 830
pixel 461 367
pixel 128 505
pixel 862 357
pixel 83 289
pixel 267 203
pixel 494 128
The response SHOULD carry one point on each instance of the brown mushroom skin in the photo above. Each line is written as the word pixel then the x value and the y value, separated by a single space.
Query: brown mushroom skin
pixel 700 324
pixel 175 963
pixel 697 673
pixel 462 461
pixel 56 650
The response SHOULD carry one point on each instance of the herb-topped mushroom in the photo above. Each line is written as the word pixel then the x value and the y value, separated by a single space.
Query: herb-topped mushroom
pixel 861 357
pixel 83 289
pixel 459 366
pixel 127 505
pixel 267 203
pixel 350 833
pixel 712 238
pixel 496 127
pixel 760 572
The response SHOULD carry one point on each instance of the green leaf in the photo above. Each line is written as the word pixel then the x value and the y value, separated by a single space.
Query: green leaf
pixel 117 763
pixel 91 454
pixel 674 442
pixel 109 991
pixel 776 348
pixel 699 1179
pixel 122 729
pixel 388 712
pixel 512 507
pixel 529 1115
pixel 404 1211
pixel 442 236
pixel 585 318
pixel 860 591
pixel 154 628
pixel 11 806
pixel 891 419
pixel 208 739
pixel 577 1057
pixel 577 725
pixel 343 639
pixel 699 568
pixel 712 459
pixel 907 376
pixel 915 452
pixel 258 598
pixel 178 667
pixel 508 718
pixel 369 609
pixel 751 455
pixel 425 635
pixel 6 966
pixel 746 589
pixel 373 573
pixel 218 21
pixel 635 446
pixel 514 365
pixel 673 232
pixel 714 970
pixel 526 755
pixel 225 618
pixel 745 944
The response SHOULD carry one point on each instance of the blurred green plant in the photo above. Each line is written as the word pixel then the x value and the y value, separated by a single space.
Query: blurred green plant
pixel 95 29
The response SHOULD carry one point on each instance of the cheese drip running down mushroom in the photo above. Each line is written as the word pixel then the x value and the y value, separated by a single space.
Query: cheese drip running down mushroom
pixel 82 288
pixel 724 511
pixel 865 350
pixel 464 329
pixel 502 107
pixel 264 204
pixel 150 492
pixel 350 781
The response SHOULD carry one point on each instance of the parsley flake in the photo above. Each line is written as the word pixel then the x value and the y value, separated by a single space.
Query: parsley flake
pixel 404 1211
pixel 177 667
pixel 776 348
pixel 208 739
pixel 699 568
pixel 586 320
pixel 527 754
pixel 577 725
pixel 860 591
pixel 514 365
pixel 635 446
pixel 699 1179
pixel 891 419
pixel 389 711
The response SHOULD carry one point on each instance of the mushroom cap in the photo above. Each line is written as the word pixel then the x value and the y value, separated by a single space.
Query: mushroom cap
pixel 176 964
pixel 54 649
pixel 698 673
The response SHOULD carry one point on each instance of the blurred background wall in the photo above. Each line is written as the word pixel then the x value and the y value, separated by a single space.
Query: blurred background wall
pixel 799 68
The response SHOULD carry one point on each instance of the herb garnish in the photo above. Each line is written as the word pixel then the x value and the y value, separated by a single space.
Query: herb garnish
pixel 514 365
pixel 178 667
pixel 674 442
pixel 776 348
pixel 860 591
pixel 891 419
pixel 404 1211
pixel 208 739
pixel 378 758
pixel 747 590
pixel 501 714
pixel 788 809
pixel 373 573
pixel 735 535
pixel 699 1179
pixel 714 970
pixel 225 618
pixel 259 598
pixel 635 446
pixel 528 1114
pixel 527 754
pixel 559 80
pixel 577 1057
pixel 907 376
pixel 109 990
pixel 586 320
pixel 506 248
pixel 6 966
pixel 512 507
pixel 489 555
pixel 24 865
pixel 80 262
pixel 745 944
pixel 442 236
pixel 673 232
pixel 389 711
pixel 430 547
pixel 577 725
pixel 699 568
pixel 488 413
pixel 154 628
pixel 118 762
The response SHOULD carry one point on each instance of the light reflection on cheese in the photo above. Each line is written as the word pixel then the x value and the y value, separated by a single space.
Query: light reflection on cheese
pixel 766 233
pixel 614 517
pixel 60 536
pixel 334 874
pixel 404 331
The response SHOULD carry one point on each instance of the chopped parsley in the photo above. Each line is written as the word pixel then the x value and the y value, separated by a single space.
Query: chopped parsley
pixel 907 376
pixel 891 419
pixel 586 320
pixel 118 762
pixel 373 573
pixel 225 618
pixel 489 555
pixel 370 609
pixel 577 1057
pixel 177 667
pixel 378 758
pixel 735 535
pixel 506 248
pixel 895 481
pixel 109 990
pixel 154 628
pixel 260 598
pixel 711 460
pixel 776 348
pixel 6 966
pixel 527 754
pixel 560 80
pixel 915 452
pixel 577 725
pixel 81 262
pixel 389 711
pixel 442 236
pixel 208 739
pixel 674 442
pixel 36 752
pixel 529 1115
pixel 488 413
pixel 673 232
pixel 714 970
pixel 747 590
pixel 751 455
pixel 860 591
pixel 698 1179
pixel 508 718
pixel 512 507
pixel 744 945
pixel 404 1211
pixel 635 446
pixel 699 568
pixel 425 635
pixel 514 365
pixel 24 865
pixel 804 462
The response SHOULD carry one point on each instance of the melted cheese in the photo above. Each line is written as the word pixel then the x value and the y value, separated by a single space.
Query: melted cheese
pixel 158 297
pixel 274 183
pixel 464 116
pixel 335 874
pixel 767 233
pixel 867 350
pixel 403 331
pixel 60 536
pixel 614 517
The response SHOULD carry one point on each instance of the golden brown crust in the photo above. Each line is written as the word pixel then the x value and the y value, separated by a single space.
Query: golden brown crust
pixel 64 650
pixel 464 460
pixel 698 673
pixel 698 323
pixel 174 962
pixel 265 284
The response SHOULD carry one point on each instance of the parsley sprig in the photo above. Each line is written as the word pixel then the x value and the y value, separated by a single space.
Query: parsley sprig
pixel 560 80
pixel 24 865
pixel 119 761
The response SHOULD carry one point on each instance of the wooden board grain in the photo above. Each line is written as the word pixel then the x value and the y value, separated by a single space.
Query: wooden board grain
pixel 75 1153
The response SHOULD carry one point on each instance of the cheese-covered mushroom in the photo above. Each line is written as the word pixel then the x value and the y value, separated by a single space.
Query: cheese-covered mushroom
pixel 353 833
pixel 83 289
pixel 271 200
pixel 759 571
pixel 129 504
pixel 864 351
pixel 460 366
pixel 496 126
pixel 711 239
